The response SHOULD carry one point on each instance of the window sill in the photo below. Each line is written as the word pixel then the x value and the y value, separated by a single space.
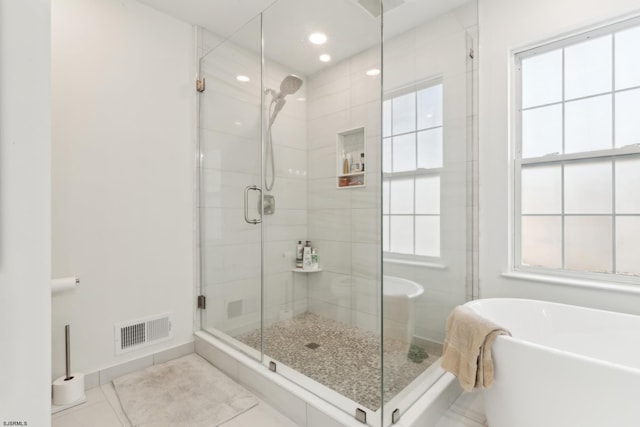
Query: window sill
pixel 625 288
pixel 425 264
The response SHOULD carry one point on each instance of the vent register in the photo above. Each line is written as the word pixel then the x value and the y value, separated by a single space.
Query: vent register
pixel 136 334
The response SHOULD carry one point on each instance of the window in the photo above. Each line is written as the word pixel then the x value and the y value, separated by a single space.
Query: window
pixel 577 158
pixel 412 164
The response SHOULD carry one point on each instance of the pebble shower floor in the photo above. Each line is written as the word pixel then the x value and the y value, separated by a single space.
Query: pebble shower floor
pixel 342 357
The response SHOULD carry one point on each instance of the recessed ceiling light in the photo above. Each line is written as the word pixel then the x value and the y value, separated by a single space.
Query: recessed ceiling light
pixel 325 58
pixel 373 72
pixel 318 38
pixel 242 78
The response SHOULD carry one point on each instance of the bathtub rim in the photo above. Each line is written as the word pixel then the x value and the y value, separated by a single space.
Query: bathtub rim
pixel 553 350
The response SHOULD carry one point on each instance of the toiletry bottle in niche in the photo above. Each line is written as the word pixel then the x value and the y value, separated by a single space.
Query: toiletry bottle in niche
pixel 299 253
pixel 314 259
pixel 345 164
pixel 306 256
pixel 362 162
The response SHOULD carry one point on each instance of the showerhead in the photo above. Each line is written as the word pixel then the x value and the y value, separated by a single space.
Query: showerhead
pixel 288 86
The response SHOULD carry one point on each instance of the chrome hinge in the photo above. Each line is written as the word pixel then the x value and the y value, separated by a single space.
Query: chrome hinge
pixel 272 366
pixel 200 85
pixel 471 53
pixel 395 416
pixel 202 302
pixel 361 415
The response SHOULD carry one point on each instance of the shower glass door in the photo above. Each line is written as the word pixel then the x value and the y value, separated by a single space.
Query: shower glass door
pixel 230 135
pixel 322 327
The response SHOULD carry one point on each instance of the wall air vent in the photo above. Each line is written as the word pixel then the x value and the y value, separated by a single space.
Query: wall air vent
pixel 136 334
pixel 373 6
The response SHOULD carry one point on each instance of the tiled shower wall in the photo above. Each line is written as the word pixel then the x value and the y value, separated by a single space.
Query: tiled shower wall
pixel 230 137
pixel 344 224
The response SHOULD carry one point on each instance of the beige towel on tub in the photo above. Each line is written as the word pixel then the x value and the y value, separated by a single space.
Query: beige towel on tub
pixel 467 347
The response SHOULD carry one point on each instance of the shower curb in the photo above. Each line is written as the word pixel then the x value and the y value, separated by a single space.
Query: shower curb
pixel 304 407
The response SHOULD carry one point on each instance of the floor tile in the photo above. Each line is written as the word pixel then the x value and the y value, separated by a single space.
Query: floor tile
pixel 99 414
pixel 261 415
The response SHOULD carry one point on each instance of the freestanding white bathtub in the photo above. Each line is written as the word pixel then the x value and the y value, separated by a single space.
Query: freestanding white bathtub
pixel 563 366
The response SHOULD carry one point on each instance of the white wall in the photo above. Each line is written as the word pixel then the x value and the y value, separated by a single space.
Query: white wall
pixel 123 168
pixel 507 25
pixel 25 231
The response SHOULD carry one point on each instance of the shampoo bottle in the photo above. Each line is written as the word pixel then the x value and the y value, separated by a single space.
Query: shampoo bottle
pixel 299 253
pixel 306 256
pixel 314 259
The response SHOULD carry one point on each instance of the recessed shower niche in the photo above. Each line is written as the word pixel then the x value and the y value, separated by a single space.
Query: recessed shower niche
pixel 351 158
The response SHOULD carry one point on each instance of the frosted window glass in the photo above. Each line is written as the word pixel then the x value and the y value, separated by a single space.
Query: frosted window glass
pixel 386 155
pixel 588 124
pixel 430 148
pixel 627 118
pixel 587 68
pixel 386 118
pixel 430 107
pixel 588 188
pixel 627 238
pixel 428 235
pixel 385 233
pixel 385 196
pixel 588 243
pixel 627 59
pixel 542 79
pixel 628 185
pixel 542 190
pixel 542 131
pixel 404 114
pixel 542 241
pixel 401 194
pixel 404 153
pixel 401 234
pixel 428 195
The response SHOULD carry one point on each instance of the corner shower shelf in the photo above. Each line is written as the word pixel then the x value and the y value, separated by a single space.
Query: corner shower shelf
pixel 300 270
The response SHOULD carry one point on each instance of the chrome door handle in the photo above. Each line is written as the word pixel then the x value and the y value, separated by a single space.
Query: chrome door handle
pixel 246 204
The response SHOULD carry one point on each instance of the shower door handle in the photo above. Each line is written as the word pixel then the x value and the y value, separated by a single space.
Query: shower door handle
pixel 246 204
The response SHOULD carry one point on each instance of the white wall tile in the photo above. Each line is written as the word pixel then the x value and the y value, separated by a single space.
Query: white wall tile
pixel 323 162
pixel 323 194
pixel 109 374
pixel 329 224
pixel 328 104
pixel 334 256
pixel 174 353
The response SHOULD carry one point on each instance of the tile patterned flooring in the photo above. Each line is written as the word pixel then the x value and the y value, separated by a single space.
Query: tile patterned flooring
pixel 103 409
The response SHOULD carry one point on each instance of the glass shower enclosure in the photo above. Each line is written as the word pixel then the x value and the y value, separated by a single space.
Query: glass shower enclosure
pixel 300 142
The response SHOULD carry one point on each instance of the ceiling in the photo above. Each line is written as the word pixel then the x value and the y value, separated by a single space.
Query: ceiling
pixel 287 23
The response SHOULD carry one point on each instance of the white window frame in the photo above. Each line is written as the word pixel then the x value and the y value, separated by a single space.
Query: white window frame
pixel 433 261
pixel 612 154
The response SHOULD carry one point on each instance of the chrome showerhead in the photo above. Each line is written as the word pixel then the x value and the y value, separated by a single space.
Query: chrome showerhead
pixel 288 86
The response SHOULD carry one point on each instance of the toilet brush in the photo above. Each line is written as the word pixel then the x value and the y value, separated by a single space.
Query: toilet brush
pixel 68 390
